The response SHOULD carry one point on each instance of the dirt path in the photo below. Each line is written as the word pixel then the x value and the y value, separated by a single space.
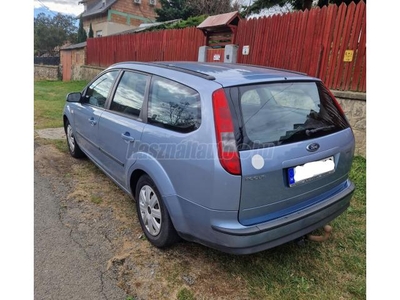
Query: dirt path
pixel 63 269
pixel 102 221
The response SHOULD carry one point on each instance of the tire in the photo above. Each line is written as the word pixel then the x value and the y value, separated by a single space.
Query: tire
pixel 153 215
pixel 73 146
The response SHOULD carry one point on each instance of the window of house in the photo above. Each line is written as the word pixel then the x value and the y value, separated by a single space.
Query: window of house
pixel 129 95
pixel 99 33
pixel 173 106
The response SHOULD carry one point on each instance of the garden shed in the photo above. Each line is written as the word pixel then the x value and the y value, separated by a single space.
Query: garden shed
pixel 72 57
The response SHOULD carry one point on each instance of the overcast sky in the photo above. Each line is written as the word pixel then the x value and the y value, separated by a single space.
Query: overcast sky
pixel 62 6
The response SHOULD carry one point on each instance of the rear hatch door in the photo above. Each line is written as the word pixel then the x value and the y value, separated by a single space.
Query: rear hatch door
pixel 295 147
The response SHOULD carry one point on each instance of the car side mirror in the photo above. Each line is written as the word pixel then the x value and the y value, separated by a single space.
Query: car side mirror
pixel 74 97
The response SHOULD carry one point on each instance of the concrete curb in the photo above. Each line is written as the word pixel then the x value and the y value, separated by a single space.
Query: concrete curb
pixel 51 133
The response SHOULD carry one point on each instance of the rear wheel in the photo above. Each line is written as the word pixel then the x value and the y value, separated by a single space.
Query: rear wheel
pixel 73 147
pixel 153 215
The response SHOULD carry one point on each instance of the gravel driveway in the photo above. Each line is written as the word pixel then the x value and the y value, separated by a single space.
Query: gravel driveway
pixel 89 243
pixel 63 267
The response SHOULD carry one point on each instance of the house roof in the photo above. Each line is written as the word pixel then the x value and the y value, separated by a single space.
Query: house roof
pixel 74 46
pixel 98 7
pixel 219 20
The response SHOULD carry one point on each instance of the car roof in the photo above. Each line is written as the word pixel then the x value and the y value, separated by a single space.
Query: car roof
pixel 227 74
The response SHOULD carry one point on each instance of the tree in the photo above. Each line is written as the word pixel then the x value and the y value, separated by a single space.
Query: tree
pixel 322 3
pixel 258 5
pixel 50 32
pixel 183 9
pixel 91 34
pixel 81 32
pixel 210 7
pixel 174 9
pixel 237 5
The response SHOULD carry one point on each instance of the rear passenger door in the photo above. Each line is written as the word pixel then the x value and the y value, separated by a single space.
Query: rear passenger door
pixel 121 126
pixel 172 136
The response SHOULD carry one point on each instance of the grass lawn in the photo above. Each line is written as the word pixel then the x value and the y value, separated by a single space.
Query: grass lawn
pixel 334 269
pixel 49 100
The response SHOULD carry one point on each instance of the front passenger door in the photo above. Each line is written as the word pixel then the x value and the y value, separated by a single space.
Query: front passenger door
pixel 88 112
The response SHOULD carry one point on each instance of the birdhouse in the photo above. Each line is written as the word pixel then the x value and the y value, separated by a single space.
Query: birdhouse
pixel 220 30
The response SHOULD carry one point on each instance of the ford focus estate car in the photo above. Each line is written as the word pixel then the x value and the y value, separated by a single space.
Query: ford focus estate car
pixel 239 158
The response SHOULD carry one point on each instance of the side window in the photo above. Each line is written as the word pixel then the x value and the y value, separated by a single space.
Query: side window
pixel 174 106
pixel 129 96
pixel 97 92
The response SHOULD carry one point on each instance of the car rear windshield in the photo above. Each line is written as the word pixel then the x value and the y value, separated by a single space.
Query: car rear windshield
pixel 285 112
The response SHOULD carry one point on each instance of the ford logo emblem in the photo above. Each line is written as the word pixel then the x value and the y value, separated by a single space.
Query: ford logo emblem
pixel 313 147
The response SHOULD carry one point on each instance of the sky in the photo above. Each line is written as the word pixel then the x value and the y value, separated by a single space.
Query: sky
pixel 62 6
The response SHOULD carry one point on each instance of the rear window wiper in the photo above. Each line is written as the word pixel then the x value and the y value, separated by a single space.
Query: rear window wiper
pixel 315 130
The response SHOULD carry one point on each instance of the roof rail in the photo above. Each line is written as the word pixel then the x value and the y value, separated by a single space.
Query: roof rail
pixel 182 69
pixel 171 67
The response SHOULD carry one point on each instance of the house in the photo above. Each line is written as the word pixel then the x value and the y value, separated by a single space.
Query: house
pixel 113 16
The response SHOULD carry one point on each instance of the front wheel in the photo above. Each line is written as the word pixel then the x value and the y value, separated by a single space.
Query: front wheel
pixel 153 215
pixel 73 147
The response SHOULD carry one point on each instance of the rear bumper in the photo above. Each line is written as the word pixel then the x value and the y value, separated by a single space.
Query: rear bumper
pixel 228 235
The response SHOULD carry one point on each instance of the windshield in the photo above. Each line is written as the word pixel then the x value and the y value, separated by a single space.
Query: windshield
pixel 281 113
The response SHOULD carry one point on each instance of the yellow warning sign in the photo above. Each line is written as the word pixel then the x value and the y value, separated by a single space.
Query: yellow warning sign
pixel 348 55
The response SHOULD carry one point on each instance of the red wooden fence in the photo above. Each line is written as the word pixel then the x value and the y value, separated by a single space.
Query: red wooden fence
pixel 313 42
pixel 165 45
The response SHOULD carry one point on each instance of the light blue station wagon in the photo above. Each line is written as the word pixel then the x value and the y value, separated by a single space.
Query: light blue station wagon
pixel 236 157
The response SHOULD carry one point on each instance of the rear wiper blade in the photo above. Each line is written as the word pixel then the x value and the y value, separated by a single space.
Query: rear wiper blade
pixel 315 130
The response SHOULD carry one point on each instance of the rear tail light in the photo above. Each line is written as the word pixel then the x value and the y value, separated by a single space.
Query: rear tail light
pixel 227 150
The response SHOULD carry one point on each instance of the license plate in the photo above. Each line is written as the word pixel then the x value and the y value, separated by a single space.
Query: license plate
pixel 310 171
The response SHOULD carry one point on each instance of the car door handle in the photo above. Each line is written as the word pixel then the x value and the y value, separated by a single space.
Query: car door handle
pixel 92 121
pixel 127 137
